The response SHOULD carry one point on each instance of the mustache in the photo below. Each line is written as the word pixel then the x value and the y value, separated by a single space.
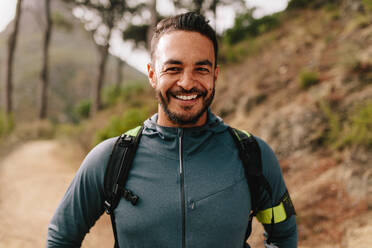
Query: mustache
pixel 183 91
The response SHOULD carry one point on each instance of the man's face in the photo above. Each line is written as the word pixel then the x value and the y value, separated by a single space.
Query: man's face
pixel 183 74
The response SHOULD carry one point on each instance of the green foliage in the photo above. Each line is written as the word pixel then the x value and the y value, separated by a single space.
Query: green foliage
pixel 246 26
pixel 2 124
pixel 302 4
pixel 360 125
pixel 298 4
pixel 367 4
pixel 61 22
pixel 136 33
pixel 356 128
pixel 7 124
pixel 308 78
pixel 132 89
pixel 333 131
pixel 111 94
pixel 82 110
pixel 119 124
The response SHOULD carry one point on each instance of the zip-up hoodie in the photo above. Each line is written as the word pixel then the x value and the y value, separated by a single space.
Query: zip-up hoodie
pixel 192 189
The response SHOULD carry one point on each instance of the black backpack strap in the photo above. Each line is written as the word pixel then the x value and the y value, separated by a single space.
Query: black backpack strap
pixel 117 172
pixel 250 155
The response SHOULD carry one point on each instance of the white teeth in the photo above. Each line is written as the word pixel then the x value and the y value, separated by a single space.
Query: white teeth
pixel 187 97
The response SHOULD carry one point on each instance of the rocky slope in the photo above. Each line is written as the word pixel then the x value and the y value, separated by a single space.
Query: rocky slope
pixel 330 180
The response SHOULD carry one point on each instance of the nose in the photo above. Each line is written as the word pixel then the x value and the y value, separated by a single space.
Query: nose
pixel 187 80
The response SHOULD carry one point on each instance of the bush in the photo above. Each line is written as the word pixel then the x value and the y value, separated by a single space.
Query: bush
pixel 60 21
pixel 333 131
pixel 298 4
pixel 308 78
pixel 247 26
pixel 301 4
pixel 7 124
pixel 111 94
pixel 132 89
pixel 367 4
pixel 2 125
pixel 82 110
pixel 360 126
pixel 356 129
pixel 120 124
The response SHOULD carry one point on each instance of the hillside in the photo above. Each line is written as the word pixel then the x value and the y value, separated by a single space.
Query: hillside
pixel 73 62
pixel 305 87
pixel 321 132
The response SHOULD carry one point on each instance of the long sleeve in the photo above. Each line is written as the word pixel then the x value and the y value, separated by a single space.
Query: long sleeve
pixel 82 203
pixel 283 234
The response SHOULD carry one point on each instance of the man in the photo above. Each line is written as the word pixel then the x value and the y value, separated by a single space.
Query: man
pixel 187 171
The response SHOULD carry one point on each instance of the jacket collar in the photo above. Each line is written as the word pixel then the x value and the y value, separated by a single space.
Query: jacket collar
pixel 213 124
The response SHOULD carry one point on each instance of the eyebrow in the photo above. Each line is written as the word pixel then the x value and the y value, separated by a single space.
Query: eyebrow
pixel 172 62
pixel 204 62
pixel 177 62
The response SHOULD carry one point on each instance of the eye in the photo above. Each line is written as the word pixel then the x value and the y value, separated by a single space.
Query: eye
pixel 202 70
pixel 173 69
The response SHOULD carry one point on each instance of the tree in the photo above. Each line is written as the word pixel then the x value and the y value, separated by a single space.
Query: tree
pixel 12 42
pixel 119 74
pixel 45 70
pixel 202 6
pixel 153 21
pixel 108 15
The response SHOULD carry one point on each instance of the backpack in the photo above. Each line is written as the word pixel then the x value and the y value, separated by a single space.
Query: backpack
pixel 122 156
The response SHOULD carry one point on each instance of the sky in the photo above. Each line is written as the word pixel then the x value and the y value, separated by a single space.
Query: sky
pixel 139 59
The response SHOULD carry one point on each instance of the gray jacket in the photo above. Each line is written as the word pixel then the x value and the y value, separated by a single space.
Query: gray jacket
pixel 192 189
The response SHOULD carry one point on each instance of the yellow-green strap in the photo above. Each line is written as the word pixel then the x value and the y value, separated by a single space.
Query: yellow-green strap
pixel 237 135
pixel 265 216
pixel 133 132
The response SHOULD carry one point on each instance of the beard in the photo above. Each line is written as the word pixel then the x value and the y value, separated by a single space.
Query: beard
pixel 185 118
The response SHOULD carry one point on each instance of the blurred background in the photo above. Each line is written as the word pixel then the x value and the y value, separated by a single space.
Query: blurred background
pixel 297 73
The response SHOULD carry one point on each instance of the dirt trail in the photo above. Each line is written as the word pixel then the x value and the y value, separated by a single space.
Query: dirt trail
pixel 33 179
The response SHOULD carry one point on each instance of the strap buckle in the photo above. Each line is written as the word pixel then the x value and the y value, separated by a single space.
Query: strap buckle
pixel 130 196
pixel 108 207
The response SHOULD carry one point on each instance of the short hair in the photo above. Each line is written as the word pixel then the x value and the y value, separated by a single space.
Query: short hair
pixel 190 21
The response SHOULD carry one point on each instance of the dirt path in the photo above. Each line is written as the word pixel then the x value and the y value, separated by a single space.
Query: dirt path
pixel 33 179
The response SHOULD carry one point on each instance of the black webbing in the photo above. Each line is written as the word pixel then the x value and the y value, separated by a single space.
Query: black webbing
pixel 250 155
pixel 117 173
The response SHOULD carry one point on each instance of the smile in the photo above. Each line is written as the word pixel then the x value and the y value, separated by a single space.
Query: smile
pixel 186 98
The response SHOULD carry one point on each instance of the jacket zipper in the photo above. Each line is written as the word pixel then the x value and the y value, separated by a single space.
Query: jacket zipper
pixel 182 191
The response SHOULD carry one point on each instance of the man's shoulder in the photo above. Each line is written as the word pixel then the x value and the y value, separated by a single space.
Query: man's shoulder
pixel 98 157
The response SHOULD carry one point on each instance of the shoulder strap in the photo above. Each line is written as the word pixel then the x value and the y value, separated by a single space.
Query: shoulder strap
pixel 250 155
pixel 117 171
pixel 118 167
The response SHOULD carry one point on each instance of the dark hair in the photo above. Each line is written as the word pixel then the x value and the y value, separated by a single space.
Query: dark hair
pixel 190 21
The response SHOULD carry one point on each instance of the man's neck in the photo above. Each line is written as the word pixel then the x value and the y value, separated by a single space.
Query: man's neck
pixel 163 120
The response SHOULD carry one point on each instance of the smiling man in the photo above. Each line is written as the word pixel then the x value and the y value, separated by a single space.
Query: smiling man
pixel 190 182
pixel 183 72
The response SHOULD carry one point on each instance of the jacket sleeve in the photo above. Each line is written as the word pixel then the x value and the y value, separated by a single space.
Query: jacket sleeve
pixel 82 203
pixel 284 233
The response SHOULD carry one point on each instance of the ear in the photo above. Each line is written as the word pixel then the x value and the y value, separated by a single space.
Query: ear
pixel 216 70
pixel 151 75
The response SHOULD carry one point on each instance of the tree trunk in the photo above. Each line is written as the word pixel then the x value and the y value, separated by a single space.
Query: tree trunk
pixel 119 75
pixel 97 101
pixel 12 42
pixel 45 71
pixel 153 22
pixel 214 10
pixel 198 5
